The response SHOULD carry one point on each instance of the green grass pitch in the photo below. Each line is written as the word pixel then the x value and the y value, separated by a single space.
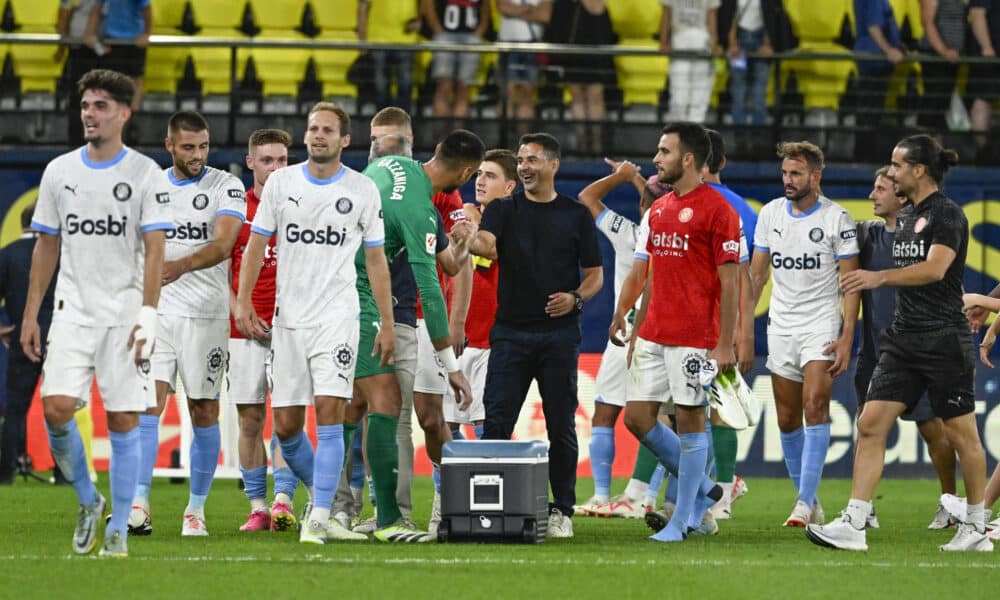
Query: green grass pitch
pixel 752 557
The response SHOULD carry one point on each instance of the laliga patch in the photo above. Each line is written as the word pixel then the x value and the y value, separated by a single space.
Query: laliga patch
pixel 919 225
pixel 430 243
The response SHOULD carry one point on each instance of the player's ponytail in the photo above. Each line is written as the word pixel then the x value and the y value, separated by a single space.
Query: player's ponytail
pixel 922 149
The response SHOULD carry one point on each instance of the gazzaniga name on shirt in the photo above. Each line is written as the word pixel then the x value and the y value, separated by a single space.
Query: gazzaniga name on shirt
pixel 189 231
pixel 328 236
pixel 796 263
pixel 106 226
pixel 398 178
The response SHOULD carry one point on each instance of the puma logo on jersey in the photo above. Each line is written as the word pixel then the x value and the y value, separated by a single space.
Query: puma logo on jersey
pixel 778 231
pixel 71 190
pixel 294 201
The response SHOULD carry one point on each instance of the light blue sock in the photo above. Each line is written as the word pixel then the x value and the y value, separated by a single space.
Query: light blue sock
pixel 456 434
pixel 357 464
pixel 67 450
pixel 255 482
pixel 671 495
pixel 204 459
pixel 791 445
pixel 710 466
pixel 328 464
pixel 813 458
pixel 656 481
pixel 126 456
pixel 691 472
pixel 285 481
pixel 602 456
pixel 149 447
pixel 298 453
pixel 436 476
pixel 665 444
pixel 478 429
pixel 702 501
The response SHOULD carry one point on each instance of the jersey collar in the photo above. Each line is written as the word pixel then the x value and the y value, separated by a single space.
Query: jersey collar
pixel 183 182
pixel 316 181
pixel 102 165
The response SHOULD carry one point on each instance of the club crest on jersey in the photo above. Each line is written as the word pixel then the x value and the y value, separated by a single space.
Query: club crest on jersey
pixel 816 234
pixel 344 356
pixel 215 359
pixel 122 191
pixel 685 215
pixel 344 205
pixel 919 225
pixel 200 201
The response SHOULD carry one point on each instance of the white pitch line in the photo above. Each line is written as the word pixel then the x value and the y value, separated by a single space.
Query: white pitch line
pixel 539 561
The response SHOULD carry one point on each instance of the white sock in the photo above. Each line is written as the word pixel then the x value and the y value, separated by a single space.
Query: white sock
pixel 198 512
pixel 858 510
pixel 636 489
pixel 143 502
pixel 257 505
pixel 319 514
pixel 976 515
pixel 283 498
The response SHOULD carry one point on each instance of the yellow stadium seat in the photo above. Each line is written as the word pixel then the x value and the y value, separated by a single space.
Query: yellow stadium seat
pixel 36 16
pixel 635 19
pixel 342 15
pixel 818 20
pixel 167 16
pixel 281 69
pixel 213 67
pixel 332 65
pixel 821 82
pixel 279 14
pixel 217 14
pixel 641 78
pixel 164 66
pixel 35 65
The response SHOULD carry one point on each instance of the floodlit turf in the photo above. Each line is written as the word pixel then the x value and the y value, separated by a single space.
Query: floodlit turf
pixel 752 557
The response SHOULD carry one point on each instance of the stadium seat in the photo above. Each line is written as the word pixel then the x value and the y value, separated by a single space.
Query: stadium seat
pixel 817 23
pixel 338 15
pixel 332 65
pixel 167 17
pixel 819 20
pixel 164 66
pixel 35 65
pixel 635 19
pixel 279 69
pixel 35 16
pixel 218 14
pixel 641 78
pixel 217 19
pixel 279 15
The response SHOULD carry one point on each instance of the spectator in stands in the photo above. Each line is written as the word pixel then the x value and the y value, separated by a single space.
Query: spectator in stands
pixel 456 22
pixel 22 374
pixel 72 27
pixel 944 36
pixel 126 24
pixel 690 25
pixel 877 33
pixel 396 22
pixel 749 47
pixel 584 22
pixel 522 21
pixel 984 16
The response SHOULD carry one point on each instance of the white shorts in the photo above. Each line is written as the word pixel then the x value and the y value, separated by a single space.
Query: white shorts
pixel 612 377
pixel 787 355
pixel 315 361
pixel 196 348
pixel 75 352
pixel 668 374
pixel 246 382
pixel 473 365
pixel 431 377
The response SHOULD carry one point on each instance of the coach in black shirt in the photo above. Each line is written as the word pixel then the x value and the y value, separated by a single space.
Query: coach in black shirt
pixel 22 374
pixel 541 240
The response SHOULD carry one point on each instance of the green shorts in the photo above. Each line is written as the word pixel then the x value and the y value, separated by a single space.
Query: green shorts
pixel 368 365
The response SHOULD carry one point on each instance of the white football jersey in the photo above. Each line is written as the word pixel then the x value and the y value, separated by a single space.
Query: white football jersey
pixel 100 211
pixel 201 294
pixel 804 250
pixel 319 224
pixel 622 234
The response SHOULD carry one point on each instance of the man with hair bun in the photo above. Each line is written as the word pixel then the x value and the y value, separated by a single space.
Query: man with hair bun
pixel 928 348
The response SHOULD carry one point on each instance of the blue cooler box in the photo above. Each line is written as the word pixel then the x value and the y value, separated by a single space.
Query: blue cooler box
pixel 494 491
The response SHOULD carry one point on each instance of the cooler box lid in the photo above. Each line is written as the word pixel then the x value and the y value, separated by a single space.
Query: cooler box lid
pixel 474 451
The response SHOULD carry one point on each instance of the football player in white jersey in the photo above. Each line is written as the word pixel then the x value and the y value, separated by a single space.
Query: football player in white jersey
pixel 322 212
pixel 809 242
pixel 102 214
pixel 209 206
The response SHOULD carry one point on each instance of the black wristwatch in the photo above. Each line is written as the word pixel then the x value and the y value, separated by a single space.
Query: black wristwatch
pixel 579 300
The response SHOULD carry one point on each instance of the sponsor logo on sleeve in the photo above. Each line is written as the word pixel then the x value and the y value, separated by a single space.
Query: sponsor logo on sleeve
pixel 731 246
pixel 236 194
pixel 457 215
pixel 616 223
pixel 850 234
pixel 163 198
pixel 430 243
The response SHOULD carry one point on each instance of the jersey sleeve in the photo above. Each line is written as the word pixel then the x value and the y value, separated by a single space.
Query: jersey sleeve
pixel 845 242
pixel 442 238
pixel 642 238
pixel 46 217
pixel 744 247
pixel 156 209
pixel 372 224
pixel 451 210
pixel 590 250
pixel 725 236
pixel 621 232
pixel 760 234
pixel 265 221
pixel 494 217
pixel 232 199
pixel 949 227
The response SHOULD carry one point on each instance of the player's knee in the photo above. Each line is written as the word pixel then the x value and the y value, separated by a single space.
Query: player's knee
pixel 204 413
pixel 432 421
pixel 57 416
pixel 605 415
pixel 789 422
pixel 638 424
pixel 251 424
pixel 817 412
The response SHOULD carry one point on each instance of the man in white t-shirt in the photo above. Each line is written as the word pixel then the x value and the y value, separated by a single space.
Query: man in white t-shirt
pixel 102 212
pixel 690 25
pixel 809 242
pixel 522 21
pixel 209 206
pixel 322 212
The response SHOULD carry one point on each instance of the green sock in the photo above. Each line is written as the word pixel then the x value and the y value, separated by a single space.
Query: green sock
pixel 349 430
pixel 383 458
pixel 645 464
pixel 725 444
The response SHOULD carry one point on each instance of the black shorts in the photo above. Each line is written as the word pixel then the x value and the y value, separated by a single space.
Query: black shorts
pixel 920 413
pixel 941 364
pixel 130 60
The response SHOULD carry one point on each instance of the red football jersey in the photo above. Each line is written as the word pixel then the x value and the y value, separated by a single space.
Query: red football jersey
pixel 449 206
pixel 687 238
pixel 483 305
pixel 264 292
